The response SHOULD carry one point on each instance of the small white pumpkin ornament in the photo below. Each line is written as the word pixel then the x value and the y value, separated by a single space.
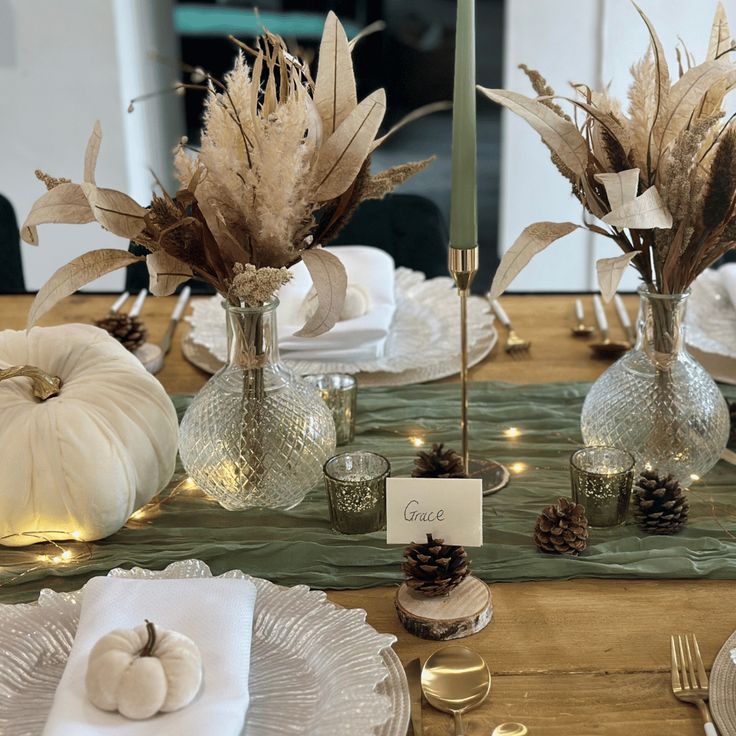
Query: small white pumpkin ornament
pixel 139 672
pixel 86 441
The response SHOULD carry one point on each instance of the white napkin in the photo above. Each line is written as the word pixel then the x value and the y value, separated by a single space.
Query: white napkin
pixel 216 613
pixel 361 338
pixel 727 272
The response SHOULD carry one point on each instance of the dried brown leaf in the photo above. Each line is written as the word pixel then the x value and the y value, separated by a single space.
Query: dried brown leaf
pixel 620 187
pixel 344 152
pixel 685 97
pixel 720 34
pixel 76 274
pixel 646 211
pixel 115 211
pixel 165 273
pixel 330 284
pixel 560 135
pixel 65 203
pixel 91 153
pixel 334 90
pixel 610 271
pixel 534 239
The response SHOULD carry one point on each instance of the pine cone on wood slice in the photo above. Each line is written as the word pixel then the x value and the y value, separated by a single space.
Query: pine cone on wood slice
pixel 660 504
pixel 562 528
pixel 128 331
pixel 438 463
pixel 434 568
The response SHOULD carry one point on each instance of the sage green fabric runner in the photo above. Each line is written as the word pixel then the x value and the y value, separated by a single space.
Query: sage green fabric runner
pixel 298 546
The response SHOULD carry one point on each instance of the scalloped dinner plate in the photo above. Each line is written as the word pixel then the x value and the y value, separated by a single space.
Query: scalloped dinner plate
pixel 316 668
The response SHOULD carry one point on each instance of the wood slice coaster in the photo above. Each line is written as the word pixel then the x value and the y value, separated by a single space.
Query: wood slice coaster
pixel 465 611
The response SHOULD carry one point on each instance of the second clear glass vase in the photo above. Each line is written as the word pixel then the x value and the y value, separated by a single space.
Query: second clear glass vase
pixel 256 436
pixel 657 401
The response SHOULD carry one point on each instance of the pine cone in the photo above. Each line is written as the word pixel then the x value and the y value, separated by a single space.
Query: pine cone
pixel 732 413
pixel 562 528
pixel 439 464
pixel 129 331
pixel 434 568
pixel 660 504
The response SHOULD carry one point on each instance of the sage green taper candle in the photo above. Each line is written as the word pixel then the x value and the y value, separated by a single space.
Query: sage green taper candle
pixel 463 203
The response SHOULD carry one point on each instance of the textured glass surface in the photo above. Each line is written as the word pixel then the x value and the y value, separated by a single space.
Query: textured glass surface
pixel 340 392
pixel 601 481
pixel 256 436
pixel 355 483
pixel 657 401
pixel 316 668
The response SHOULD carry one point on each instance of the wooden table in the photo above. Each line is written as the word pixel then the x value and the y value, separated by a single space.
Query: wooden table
pixel 568 658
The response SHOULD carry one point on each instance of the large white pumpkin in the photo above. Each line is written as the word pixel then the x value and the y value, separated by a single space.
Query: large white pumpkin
pixel 79 463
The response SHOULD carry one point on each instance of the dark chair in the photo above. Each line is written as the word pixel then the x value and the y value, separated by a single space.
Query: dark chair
pixel 408 227
pixel 11 266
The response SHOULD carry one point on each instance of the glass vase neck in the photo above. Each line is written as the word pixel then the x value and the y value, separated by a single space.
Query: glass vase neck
pixel 252 335
pixel 661 326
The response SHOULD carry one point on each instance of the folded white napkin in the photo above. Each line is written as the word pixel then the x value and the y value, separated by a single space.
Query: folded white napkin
pixel 216 613
pixel 372 272
pixel 727 272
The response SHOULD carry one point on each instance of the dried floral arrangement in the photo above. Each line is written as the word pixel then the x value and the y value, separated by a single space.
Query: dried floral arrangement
pixel 660 177
pixel 283 163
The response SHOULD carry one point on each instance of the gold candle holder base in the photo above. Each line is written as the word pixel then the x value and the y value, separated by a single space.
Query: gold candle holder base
pixel 463 265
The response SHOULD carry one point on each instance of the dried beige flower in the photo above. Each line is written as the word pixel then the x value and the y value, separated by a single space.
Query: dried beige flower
pixel 256 286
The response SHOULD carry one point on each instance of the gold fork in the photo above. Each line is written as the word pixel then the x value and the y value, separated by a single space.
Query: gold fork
pixel 515 345
pixel 689 679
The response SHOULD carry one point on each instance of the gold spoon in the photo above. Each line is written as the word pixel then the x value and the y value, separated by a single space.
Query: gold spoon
pixel 606 348
pixel 580 329
pixel 510 729
pixel 454 680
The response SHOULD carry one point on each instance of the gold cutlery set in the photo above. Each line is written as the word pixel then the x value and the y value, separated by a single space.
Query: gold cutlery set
pixel 454 680
pixel 515 346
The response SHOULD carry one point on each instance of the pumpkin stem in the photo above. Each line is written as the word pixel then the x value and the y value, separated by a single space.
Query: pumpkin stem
pixel 44 385
pixel 147 650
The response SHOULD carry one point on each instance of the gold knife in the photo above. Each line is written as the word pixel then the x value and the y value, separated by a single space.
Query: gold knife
pixel 414 677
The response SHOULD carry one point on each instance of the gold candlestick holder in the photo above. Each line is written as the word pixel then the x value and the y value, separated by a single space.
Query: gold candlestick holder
pixel 463 264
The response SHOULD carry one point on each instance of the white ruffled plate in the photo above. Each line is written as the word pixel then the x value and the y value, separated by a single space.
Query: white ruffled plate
pixel 316 668
pixel 711 326
pixel 423 343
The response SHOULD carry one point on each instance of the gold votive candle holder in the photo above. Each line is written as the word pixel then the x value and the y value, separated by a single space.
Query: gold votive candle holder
pixel 601 481
pixel 340 392
pixel 356 491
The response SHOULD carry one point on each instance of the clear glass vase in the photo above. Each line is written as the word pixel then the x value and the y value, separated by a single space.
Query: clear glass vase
pixel 256 436
pixel 657 401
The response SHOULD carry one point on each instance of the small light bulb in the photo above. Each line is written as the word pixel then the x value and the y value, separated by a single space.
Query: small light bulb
pixel 694 477
pixel 518 468
pixel 56 559
pixel 416 441
pixel 66 555
pixel 512 432
pixel 77 534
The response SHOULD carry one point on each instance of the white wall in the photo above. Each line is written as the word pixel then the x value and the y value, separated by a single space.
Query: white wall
pixel 60 66
pixel 589 41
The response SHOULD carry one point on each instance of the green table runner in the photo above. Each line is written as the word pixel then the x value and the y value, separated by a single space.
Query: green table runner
pixel 298 546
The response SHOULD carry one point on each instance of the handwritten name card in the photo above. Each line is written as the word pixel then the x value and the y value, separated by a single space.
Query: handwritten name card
pixel 451 509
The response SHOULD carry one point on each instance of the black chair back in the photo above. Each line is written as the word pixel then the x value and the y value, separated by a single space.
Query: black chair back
pixel 11 266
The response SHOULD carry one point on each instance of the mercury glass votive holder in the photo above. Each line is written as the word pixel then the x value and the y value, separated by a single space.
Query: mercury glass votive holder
pixel 601 481
pixel 356 491
pixel 340 392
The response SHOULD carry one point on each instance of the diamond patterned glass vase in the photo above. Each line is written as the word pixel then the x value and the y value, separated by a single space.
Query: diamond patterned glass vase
pixel 256 436
pixel 657 401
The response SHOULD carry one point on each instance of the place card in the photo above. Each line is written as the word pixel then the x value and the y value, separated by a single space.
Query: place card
pixel 450 509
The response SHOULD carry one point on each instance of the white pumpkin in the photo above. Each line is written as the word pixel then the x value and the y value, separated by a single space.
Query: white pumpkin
pixel 139 672
pixel 81 462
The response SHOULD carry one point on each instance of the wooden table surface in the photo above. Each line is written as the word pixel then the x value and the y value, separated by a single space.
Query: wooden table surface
pixel 569 658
